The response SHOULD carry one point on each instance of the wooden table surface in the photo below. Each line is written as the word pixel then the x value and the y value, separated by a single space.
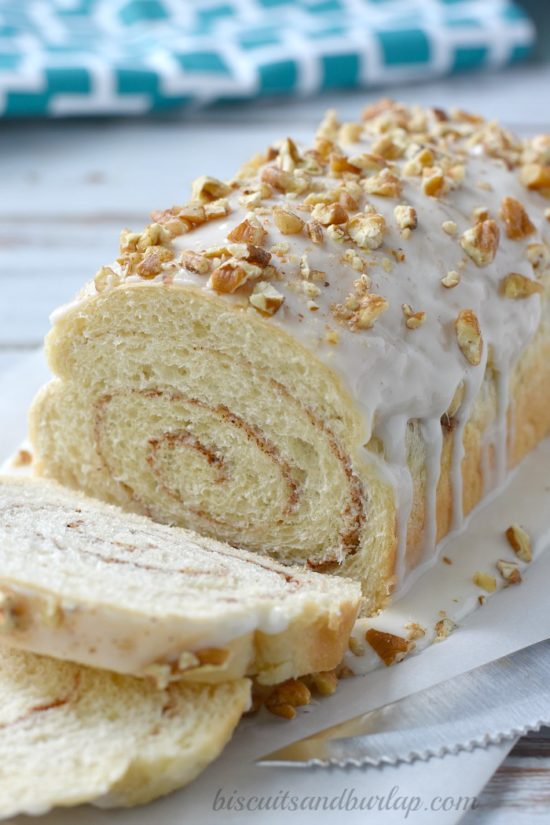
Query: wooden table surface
pixel 67 188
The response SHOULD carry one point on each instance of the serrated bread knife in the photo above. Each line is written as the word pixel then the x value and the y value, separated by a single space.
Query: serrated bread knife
pixel 499 700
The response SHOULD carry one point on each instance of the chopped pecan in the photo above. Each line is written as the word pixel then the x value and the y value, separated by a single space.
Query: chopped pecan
pixel 367 230
pixel 232 274
pixel 389 647
pixel 266 298
pixel 468 336
pixel 509 571
pixel 485 581
pixel 518 224
pixel 520 542
pixel 535 176
pixel 287 222
pixel 384 184
pixel 480 242
pixel 314 231
pixel 249 230
pixel 405 216
pixel 206 189
pixel 517 286
pixel 329 214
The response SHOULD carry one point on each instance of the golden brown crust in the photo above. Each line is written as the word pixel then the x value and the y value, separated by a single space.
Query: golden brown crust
pixel 304 648
pixel 528 423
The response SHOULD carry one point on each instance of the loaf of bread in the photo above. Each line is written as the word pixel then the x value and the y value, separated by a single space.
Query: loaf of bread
pixel 71 734
pixel 328 360
pixel 83 581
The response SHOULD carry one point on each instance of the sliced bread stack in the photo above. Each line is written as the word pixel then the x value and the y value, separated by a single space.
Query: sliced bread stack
pixel 182 620
pixel 71 734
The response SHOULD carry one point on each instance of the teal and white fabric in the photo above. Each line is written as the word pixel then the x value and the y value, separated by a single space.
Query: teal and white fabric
pixel 93 57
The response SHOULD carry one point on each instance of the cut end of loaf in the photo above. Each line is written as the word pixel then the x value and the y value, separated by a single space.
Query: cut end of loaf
pixel 173 405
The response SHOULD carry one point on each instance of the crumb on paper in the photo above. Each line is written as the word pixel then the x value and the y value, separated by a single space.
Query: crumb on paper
pixel 389 647
pixel 520 542
pixel 485 581
pixel 415 630
pixel 444 627
pixel 22 458
pixel 509 570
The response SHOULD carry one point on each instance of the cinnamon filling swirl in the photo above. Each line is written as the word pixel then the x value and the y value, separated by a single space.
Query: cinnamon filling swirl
pixel 162 455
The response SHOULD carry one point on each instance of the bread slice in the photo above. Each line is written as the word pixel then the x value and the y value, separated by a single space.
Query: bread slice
pixel 83 581
pixel 72 734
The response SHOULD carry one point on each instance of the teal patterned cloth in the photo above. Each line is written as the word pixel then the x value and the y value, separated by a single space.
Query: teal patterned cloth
pixel 99 57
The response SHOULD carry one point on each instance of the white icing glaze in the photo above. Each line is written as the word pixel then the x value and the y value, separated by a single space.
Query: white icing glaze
pixel 395 374
pixel 448 589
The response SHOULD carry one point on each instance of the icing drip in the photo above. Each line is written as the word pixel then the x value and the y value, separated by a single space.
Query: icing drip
pixel 393 435
pixel 501 439
pixel 432 433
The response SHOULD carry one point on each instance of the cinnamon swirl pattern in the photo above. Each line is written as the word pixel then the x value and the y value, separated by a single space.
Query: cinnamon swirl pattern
pixel 70 734
pixel 326 360
pixel 83 581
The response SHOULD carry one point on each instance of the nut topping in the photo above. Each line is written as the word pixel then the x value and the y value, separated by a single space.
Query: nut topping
pixel 279 179
pixel 384 184
pixel 517 286
pixel 405 216
pixel 207 189
pixel 413 319
pixel 195 262
pixel 449 227
pixel 287 222
pixel 371 307
pixel 329 214
pixel 538 255
pixel 516 219
pixel 151 264
pixel 266 298
pixel 248 231
pixel 286 697
pixel 537 177
pixel 434 184
pixel 232 274
pixel 451 279
pixel 314 231
pixel 468 336
pixel 367 230
pixel 480 242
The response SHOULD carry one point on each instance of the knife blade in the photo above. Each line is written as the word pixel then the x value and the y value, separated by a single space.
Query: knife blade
pixel 500 700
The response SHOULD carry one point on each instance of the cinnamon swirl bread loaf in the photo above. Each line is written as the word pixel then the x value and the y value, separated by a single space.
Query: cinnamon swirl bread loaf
pixel 327 360
pixel 82 581
pixel 71 734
